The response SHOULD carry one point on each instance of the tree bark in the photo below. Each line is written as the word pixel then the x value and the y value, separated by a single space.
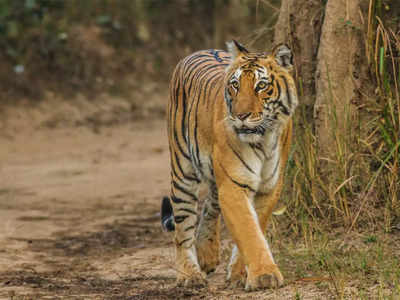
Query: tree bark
pixel 299 25
pixel 338 69
pixel 326 41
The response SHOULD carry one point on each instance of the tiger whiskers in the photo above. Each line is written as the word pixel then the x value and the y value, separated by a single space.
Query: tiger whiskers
pixel 267 124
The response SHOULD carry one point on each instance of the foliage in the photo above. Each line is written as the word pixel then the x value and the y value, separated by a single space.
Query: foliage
pixel 362 187
pixel 92 45
pixel 20 21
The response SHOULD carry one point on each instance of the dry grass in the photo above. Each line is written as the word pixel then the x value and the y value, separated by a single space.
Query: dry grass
pixel 341 228
pixel 362 190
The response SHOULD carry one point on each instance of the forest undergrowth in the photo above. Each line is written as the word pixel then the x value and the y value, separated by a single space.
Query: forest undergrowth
pixel 342 212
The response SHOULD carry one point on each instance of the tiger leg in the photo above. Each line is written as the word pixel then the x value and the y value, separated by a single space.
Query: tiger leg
pixel 242 222
pixel 208 233
pixel 264 205
pixel 184 203
pixel 236 268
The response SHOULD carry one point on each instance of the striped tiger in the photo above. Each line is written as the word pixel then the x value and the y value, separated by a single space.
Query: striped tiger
pixel 229 126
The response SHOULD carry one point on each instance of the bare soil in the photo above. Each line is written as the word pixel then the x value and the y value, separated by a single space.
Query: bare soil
pixel 79 208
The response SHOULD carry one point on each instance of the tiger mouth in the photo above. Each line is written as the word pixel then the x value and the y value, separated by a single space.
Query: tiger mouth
pixel 246 130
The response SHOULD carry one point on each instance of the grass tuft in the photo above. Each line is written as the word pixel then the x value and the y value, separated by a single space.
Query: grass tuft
pixel 361 188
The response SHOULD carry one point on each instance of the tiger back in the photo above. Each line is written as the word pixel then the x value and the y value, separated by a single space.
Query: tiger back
pixel 229 126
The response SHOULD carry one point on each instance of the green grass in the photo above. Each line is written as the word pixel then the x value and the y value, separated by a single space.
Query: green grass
pixel 346 266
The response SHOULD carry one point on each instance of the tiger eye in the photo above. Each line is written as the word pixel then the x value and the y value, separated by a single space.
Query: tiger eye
pixel 235 84
pixel 261 85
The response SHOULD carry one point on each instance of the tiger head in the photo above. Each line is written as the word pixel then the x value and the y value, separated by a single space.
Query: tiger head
pixel 260 93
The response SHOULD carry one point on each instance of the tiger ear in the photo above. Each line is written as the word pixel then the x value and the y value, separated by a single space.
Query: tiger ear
pixel 236 49
pixel 283 56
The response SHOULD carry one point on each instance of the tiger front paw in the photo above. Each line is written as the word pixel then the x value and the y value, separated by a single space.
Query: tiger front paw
pixel 188 270
pixel 237 280
pixel 270 279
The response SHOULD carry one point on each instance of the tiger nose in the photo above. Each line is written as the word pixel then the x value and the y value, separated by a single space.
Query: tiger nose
pixel 243 116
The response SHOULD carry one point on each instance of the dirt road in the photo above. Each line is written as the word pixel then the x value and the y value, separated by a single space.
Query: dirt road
pixel 79 211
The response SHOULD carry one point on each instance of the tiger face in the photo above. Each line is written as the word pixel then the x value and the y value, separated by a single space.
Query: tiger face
pixel 257 92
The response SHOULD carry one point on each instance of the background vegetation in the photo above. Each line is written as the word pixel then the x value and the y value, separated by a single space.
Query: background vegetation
pixel 342 197
pixel 114 46
pixel 344 167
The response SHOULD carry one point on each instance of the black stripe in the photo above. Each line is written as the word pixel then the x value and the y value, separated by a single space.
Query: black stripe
pixel 174 123
pixel 241 159
pixel 174 175
pixel 199 69
pixel 214 80
pixel 188 239
pixel 187 177
pixel 198 89
pixel 193 103
pixel 275 144
pixel 228 100
pixel 194 68
pixel 196 141
pixel 189 228
pixel 211 168
pixel 178 200
pixel 193 65
pixel 259 147
pixel 188 63
pixel 183 127
pixel 242 185
pixel 216 55
pixel 200 72
pixel 256 153
pixel 213 190
pixel 284 109
pixel 217 80
pixel 272 78
pixel 180 219
pixel 279 90
pixel 204 89
pixel 181 189
pixel 210 215
pixel 274 171
pixel 187 210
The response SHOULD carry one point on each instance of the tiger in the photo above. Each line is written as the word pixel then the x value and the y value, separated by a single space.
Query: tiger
pixel 229 123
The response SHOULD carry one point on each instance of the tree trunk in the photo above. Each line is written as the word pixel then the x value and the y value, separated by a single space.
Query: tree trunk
pixel 337 72
pixel 327 44
pixel 347 154
pixel 299 25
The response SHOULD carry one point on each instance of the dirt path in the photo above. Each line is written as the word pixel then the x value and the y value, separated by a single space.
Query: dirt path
pixel 79 213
